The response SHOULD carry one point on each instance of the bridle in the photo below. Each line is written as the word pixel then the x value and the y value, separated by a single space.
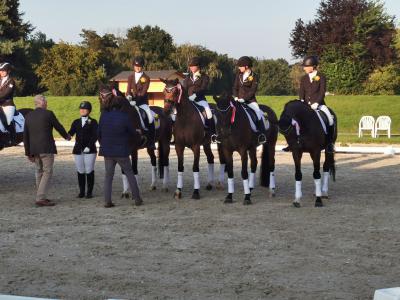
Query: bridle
pixel 172 90
pixel 232 107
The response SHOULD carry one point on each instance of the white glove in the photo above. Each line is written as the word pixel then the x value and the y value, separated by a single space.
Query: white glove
pixel 314 106
pixel 132 103
pixel 193 97
pixel 241 100
pixel 86 150
pixel 236 98
pixel 129 98
pixel 302 100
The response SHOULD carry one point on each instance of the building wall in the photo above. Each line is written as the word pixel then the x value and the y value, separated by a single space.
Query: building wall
pixel 156 95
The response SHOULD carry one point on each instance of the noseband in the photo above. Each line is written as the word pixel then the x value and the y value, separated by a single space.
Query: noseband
pixel 172 90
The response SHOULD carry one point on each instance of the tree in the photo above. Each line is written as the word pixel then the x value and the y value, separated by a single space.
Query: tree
pixel 274 77
pixel 70 70
pixel 384 81
pixel 13 41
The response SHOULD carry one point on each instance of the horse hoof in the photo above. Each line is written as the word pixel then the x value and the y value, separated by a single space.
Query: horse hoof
pixel 318 202
pixel 196 195
pixel 247 200
pixel 164 189
pixel 209 187
pixel 296 204
pixel 153 188
pixel 178 194
pixel 272 193
pixel 125 195
pixel 228 198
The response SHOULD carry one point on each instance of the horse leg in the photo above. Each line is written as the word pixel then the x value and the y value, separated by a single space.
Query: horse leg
pixel 253 167
pixel 272 184
pixel 153 160
pixel 210 161
pixel 179 152
pixel 245 177
pixel 316 157
pixel 222 164
pixel 196 175
pixel 298 176
pixel 125 183
pixel 229 168
pixel 165 154
pixel 325 179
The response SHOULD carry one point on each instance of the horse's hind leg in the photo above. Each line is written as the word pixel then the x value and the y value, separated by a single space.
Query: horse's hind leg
pixel 165 158
pixel 325 178
pixel 196 174
pixel 210 161
pixel 253 167
pixel 298 176
pixel 153 160
pixel 245 177
pixel 179 152
pixel 271 167
pixel 316 157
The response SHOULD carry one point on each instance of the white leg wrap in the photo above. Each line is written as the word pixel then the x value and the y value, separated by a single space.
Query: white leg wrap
pixel 196 179
pixel 210 173
pixel 166 177
pixel 325 182
pixel 252 179
pixel 179 185
pixel 246 188
pixel 222 173
pixel 231 185
pixel 153 175
pixel 125 184
pixel 272 184
pixel 318 192
pixel 298 193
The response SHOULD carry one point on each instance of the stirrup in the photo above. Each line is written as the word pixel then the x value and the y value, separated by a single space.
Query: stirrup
pixel 214 139
pixel 262 139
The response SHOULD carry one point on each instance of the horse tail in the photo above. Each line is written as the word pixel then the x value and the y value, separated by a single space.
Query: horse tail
pixel 330 160
pixel 264 174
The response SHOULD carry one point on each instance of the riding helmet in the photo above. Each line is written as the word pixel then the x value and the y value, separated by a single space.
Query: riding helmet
pixel 244 61
pixel 195 61
pixel 5 67
pixel 85 105
pixel 310 61
pixel 138 61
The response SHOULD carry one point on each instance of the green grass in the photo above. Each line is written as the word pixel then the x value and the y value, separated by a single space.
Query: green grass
pixel 349 109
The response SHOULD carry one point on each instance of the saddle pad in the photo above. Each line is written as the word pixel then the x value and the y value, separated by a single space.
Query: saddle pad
pixel 323 119
pixel 251 115
pixel 200 113
pixel 19 121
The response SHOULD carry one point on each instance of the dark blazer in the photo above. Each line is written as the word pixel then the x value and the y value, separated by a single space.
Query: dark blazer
pixel 114 133
pixel 38 132
pixel 245 90
pixel 138 91
pixel 7 93
pixel 313 92
pixel 198 86
pixel 86 136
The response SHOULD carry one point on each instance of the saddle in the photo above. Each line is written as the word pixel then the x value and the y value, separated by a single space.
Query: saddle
pixel 323 118
pixel 144 120
pixel 252 117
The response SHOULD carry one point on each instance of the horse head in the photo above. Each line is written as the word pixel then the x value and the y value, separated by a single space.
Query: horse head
pixel 294 109
pixel 172 94
pixel 225 113
pixel 109 96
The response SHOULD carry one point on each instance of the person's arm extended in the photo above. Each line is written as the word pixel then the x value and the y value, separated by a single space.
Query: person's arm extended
pixel 60 129
pixel 72 131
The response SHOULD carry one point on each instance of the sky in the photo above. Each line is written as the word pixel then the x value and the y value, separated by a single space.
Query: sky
pixel 246 27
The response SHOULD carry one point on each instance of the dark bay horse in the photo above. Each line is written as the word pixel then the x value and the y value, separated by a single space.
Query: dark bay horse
pixel 188 132
pixel 303 131
pixel 236 135
pixel 163 137
pixel 4 137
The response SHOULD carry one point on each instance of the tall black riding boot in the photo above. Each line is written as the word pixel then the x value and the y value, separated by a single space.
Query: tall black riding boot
pixel 13 134
pixel 152 136
pixel 330 147
pixel 81 183
pixel 90 185
pixel 262 137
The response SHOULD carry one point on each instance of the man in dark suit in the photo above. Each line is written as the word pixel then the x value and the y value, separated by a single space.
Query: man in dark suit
pixel 40 146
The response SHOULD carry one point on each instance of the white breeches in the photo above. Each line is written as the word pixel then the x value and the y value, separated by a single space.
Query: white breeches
pixel 254 106
pixel 9 111
pixel 148 111
pixel 207 109
pixel 325 109
pixel 85 162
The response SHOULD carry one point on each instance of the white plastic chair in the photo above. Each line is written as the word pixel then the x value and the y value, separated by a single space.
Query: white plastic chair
pixel 383 123
pixel 366 123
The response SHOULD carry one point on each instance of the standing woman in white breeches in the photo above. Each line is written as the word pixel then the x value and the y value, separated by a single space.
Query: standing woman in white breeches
pixel 7 88
pixel 85 151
